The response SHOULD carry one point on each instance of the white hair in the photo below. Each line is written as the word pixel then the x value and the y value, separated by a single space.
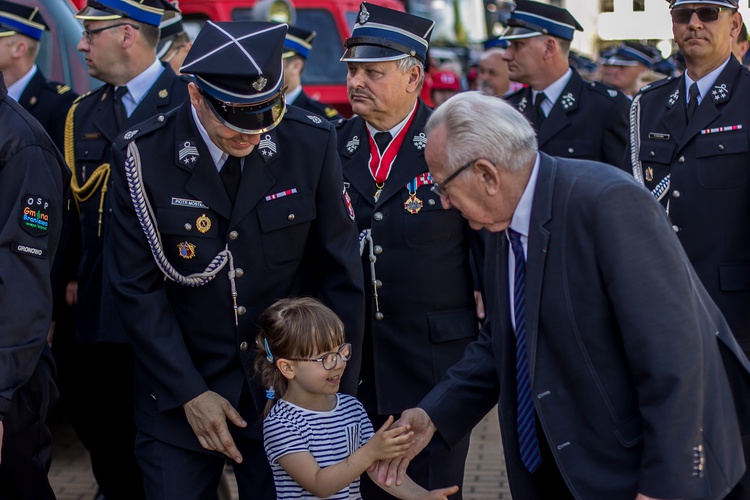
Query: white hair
pixel 406 63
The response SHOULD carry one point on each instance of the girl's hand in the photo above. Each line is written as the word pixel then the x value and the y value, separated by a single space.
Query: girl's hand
pixel 440 494
pixel 388 444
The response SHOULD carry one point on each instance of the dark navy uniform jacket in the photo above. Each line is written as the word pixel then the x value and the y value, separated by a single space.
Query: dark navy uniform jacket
pixel 33 180
pixel 289 232
pixel 305 102
pixel 588 121
pixel 708 161
pixel 93 133
pixel 426 296
pixel 49 103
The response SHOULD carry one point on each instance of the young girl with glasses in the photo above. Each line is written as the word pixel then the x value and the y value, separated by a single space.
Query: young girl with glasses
pixel 318 441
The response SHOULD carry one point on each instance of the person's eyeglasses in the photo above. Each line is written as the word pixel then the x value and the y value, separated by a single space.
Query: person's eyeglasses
pixel 87 33
pixel 330 359
pixel 683 15
pixel 439 187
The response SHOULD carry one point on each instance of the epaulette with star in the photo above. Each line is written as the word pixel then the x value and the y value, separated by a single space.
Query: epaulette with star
pixel 656 84
pixel 61 88
pixel 606 90
pixel 304 116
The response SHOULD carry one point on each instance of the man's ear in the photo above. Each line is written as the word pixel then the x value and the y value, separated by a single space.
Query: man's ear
pixel 489 176
pixel 415 77
pixel 286 368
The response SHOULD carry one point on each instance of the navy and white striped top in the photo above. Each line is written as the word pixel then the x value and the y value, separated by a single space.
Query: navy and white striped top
pixel 329 436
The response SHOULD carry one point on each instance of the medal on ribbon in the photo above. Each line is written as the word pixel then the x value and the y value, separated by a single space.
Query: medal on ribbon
pixel 413 204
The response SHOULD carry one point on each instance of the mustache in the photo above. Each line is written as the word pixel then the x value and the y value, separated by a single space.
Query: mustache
pixel 362 93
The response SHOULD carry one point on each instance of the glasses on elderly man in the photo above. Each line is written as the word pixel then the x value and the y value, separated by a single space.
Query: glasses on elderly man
pixel 87 33
pixel 683 15
pixel 330 359
pixel 439 187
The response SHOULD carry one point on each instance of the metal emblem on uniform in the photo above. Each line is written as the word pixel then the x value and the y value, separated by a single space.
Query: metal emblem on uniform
pixel 203 223
pixel 420 141
pixel 61 89
pixel 353 145
pixel 189 153
pixel 720 92
pixel 675 95
pixel 187 250
pixel 33 100
pixel 612 93
pixel 130 134
pixel 348 203
pixel 315 119
pixel 267 147
pixel 364 14
pixel 522 104
pixel 260 83
pixel 649 174
pixel 568 100
pixel 163 93
pixel 413 204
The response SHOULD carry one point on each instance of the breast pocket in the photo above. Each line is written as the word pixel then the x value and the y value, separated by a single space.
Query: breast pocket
pixel 721 159
pixel 656 152
pixel 189 237
pixel 425 221
pixel 89 155
pixel 572 148
pixel 285 224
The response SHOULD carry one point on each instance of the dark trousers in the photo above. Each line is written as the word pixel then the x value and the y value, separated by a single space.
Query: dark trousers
pixel 27 441
pixel 547 478
pixel 435 467
pixel 173 472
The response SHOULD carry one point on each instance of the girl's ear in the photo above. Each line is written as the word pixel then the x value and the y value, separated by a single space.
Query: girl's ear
pixel 286 368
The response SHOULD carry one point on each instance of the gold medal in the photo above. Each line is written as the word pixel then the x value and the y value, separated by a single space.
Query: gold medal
pixel 413 204
pixel 649 174
pixel 187 250
pixel 203 224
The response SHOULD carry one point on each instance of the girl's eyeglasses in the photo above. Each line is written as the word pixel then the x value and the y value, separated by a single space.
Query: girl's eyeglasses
pixel 330 359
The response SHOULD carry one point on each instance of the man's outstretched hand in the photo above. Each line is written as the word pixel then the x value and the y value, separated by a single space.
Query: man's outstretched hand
pixel 421 425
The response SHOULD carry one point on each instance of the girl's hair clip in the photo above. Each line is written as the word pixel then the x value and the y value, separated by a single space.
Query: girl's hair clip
pixel 269 356
pixel 270 393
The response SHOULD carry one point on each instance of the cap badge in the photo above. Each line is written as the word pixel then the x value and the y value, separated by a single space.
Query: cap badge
pixel 364 15
pixel 675 95
pixel 203 223
pixel 720 92
pixel 163 93
pixel 420 141
pixel 189 153
pixel 612 93
pixel 267 147
pixel 568 100
pixel 260 83
pixel 315 119
pixel 522 105
pixel 187 250
pixel 130 134
pixel 353 145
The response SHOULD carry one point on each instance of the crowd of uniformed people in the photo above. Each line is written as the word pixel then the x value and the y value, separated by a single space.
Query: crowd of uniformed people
pixel 203 184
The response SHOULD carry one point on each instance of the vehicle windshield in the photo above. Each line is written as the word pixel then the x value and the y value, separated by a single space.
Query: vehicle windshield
pixel 457 22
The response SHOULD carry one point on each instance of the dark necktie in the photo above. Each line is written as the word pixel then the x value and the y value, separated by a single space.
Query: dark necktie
pixel 693 104
pixel 526 419
pixel 231 173
pixel 120 113
pixel 539 115
pixel 382 139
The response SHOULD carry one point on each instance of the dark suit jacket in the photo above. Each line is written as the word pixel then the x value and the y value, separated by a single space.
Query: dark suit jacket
pixel 304 243
pixel 589 121
pixel 423 264
pixel 49 103
pixel 93 133
pixel 710 182
pixel 628 382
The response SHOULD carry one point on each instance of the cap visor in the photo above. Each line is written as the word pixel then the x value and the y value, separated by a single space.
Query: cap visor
pixel 371 53
pixel 516 33
pixel 249 119
pixel 92 14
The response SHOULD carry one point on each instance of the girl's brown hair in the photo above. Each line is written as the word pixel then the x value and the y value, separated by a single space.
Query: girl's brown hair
pixel 293 328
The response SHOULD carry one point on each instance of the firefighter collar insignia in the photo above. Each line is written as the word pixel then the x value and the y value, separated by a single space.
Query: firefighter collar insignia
pixel 364 14
pixel 315 119
pixel 130 134
pixel 260 83
pixel 720 92
pixel 612 93
pixel 420 141
pixel 568 100
pixel 33 100
pixel 187 250
pixel 353 145
pixel 522 105
pixel 266 147
pixel 673 98
pixel 188 153
pixel 34 215
pixel 163 93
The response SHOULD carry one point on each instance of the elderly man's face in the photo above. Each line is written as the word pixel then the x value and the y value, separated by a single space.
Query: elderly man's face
pixel 706 43
pixel 379 90
pixel 492 75
pixel 622 77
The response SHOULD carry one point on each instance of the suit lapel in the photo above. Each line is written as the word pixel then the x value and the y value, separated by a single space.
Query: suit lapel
pixel 30 95
pixel 541 214
pixel 558 116
pixel 156 100
pixel 674 117
pixel 355 156
pixel 257 178
pixel 103 115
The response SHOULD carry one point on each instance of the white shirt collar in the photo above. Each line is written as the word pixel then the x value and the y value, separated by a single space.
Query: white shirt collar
pixel 553 92
pixel 139 86
pixel 706 83
pixel 16 90
pixel 217 155
pixel 292 96
pixel 522 216
pixel 395 130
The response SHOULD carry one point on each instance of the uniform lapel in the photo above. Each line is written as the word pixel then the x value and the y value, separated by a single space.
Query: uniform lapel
pixel 541 214
pixel 558 116
pixel 30 96
pixel 102 117
pixel 674 117
pixel 355 156
pixel 257 178
pixel 156 100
